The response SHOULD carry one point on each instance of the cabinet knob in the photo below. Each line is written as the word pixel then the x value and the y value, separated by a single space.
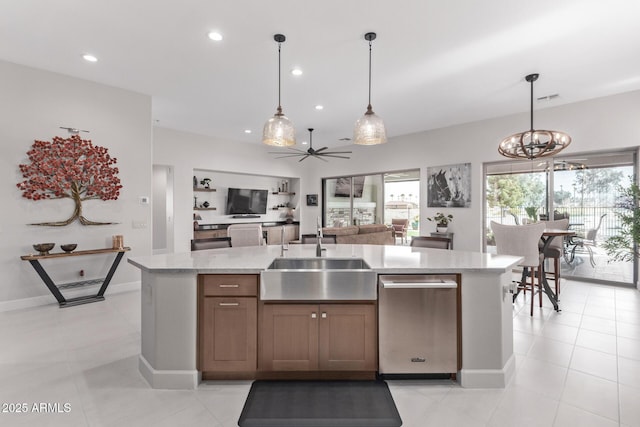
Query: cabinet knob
pixel 229 286
pixel 313 315
pixel 324 315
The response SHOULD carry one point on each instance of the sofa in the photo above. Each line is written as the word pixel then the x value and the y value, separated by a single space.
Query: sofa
pixel 369 234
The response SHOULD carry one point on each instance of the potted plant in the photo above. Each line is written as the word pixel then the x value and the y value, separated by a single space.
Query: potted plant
pixel 442 221
pixel 625 245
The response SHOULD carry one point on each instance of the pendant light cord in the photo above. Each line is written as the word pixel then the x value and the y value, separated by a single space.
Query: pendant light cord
pixel 279 105
pixel 369 73
pixel 532 109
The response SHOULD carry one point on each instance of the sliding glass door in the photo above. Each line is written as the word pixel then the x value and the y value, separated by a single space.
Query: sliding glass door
pixel 584 188
pixel 373 199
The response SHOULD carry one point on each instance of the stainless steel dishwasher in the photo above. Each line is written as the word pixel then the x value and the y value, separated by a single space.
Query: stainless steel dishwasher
pixel 418 324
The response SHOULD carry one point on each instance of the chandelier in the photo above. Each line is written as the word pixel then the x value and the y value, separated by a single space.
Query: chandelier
pixel 533 143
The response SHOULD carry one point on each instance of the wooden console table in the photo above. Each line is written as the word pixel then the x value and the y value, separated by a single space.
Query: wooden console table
pixel 55 289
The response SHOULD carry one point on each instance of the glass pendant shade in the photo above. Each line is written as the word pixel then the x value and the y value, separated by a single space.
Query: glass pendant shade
pixel 533 143
pixel 369 129
pixel 279 131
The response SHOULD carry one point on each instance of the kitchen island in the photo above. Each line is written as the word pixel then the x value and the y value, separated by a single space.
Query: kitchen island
pixel 169 298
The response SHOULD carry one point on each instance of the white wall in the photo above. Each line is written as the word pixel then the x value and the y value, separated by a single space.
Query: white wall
pixel 595 125
pixel 33 105
pixel 186 152
pixel 604 123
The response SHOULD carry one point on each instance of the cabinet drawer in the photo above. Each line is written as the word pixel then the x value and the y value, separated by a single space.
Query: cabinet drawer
pixel 229 284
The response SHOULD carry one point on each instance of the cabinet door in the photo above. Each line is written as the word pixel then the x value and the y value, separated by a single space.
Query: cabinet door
pixel 290 233
pixel 289 337
pixel 274 235
pixel 347 337
pixel 228 334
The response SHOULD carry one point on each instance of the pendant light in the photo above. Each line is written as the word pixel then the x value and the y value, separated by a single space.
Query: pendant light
pixel 279 131
pixel 369 129
pixel 533 143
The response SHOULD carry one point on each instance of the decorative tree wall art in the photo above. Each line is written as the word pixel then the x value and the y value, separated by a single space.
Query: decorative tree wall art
pixel 71 168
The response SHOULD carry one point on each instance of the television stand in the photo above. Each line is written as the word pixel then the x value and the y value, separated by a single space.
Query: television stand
pixel 246 216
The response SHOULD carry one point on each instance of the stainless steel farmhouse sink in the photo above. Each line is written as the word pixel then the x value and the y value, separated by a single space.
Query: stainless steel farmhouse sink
pixel 318 279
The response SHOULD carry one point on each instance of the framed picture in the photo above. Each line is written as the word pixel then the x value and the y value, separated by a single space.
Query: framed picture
pixel 312 200
pixel 449 186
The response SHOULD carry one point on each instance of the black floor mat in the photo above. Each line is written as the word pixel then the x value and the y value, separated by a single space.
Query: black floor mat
pixel 319 404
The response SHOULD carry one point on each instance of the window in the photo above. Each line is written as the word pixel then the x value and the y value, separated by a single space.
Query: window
pixel 373 199
pixel 583 188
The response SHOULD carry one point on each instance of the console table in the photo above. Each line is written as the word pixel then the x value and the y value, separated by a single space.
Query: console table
pixel 55 289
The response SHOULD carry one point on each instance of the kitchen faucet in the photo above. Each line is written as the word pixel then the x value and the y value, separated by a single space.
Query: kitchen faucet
pixel 282 246
pixel 319 247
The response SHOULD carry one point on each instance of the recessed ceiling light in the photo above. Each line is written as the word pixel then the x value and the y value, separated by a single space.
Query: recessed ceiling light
pixel 296 71
pixel 89 58
pixel 215 36
pixel 319 107
pixel 247 131
pixel 304 142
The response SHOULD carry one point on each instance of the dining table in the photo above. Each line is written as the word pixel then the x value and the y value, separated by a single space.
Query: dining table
pixel 547 237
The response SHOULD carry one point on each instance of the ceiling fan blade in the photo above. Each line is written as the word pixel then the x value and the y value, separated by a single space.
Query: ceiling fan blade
pixel 338 152
pixel 288 155
pixel 321 149
pixel 333 155
pixel 304 157
pixel 319 156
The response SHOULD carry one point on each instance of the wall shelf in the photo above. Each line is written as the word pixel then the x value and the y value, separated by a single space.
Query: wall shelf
pixel 204 209
pixel 210 190
pixel 281 193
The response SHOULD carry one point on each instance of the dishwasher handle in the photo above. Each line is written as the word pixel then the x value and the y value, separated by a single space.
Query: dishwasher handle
pixel 441 284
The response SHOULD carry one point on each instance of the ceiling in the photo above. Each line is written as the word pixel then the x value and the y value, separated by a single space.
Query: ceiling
pixel 435 63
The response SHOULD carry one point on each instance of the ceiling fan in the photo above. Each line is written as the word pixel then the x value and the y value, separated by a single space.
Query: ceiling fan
pixel 310 152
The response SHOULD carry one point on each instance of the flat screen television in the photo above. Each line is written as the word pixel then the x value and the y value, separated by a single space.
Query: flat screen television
pixel 242 201
pixel 343 186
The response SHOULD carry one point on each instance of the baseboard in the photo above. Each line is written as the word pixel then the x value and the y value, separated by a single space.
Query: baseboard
pixel 70 293
pixel 488 378
pixel 168 379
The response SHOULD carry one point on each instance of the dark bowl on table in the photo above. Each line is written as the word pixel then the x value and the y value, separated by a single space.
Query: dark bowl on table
pixel 43 248
pixel 69 247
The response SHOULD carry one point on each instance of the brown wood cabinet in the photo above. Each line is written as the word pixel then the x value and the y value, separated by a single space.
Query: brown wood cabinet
pixel 325 337
pixel 227 325
pixel 207 234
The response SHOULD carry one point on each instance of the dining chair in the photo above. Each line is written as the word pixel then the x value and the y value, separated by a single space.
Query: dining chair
pixel 431 242
pixel 245 234
pixel 522 240
pixel 400 226
pixel 312 238
pixel 587 242
pixel 210 243
pixel 555 250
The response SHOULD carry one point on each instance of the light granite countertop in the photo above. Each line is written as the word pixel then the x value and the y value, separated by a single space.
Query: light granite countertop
pixel 382 259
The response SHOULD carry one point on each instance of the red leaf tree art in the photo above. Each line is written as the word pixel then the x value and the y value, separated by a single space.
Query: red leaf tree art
pixel 70 168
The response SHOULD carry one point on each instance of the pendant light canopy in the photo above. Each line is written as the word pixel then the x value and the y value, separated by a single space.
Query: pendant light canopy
pixel 533 144
pixel 279 131
pixel 369 129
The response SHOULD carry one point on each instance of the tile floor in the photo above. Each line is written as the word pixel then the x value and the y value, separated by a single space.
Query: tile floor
pixel 580 367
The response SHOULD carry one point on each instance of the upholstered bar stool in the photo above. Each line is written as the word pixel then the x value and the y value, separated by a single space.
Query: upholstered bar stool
pixel 555 250
pixel 210 243
pixel 522 240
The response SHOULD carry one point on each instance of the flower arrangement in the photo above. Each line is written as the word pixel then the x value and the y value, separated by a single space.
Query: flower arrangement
pixel 441 219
